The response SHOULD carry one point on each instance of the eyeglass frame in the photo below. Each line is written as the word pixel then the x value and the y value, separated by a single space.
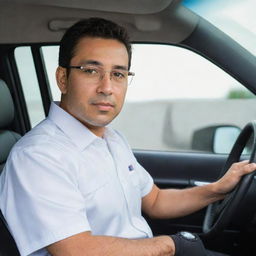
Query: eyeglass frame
pixel 129 73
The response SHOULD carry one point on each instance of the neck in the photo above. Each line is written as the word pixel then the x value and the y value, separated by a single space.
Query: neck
pixel 97 130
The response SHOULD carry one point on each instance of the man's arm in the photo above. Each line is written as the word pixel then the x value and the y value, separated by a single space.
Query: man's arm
pixel 85 244
pixel 172 203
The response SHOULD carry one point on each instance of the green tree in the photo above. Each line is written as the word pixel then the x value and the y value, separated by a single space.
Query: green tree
pixel 240 94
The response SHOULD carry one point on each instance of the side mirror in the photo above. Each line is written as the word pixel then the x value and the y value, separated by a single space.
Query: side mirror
pixel 224 138
pixel 215 139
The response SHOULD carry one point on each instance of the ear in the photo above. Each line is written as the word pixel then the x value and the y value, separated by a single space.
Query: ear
pixel 61 78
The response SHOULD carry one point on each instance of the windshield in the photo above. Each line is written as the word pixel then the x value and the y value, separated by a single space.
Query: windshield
pixel 235 17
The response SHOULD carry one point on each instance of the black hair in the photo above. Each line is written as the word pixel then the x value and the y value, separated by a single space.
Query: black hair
pixel 92 27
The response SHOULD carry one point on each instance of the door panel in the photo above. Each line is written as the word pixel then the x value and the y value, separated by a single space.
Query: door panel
pixel 180 170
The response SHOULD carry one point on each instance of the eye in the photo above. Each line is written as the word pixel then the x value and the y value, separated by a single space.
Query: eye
pixel 90 71
pixel 119 75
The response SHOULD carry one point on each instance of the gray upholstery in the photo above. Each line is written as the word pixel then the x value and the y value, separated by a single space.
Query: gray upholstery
pixel 6 106
pixel 7 138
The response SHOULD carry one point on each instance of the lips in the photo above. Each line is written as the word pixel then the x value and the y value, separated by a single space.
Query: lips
pixel 103 106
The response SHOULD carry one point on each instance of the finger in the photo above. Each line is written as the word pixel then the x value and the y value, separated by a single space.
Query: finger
pixel 244 161
pixel 249 168
pixel 239 165
pixel 241 168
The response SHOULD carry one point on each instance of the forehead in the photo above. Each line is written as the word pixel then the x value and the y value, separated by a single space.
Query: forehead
pixel 100 49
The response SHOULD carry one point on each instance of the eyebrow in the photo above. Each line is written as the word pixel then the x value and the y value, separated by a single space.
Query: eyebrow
pixel 91 62
pixel 97 63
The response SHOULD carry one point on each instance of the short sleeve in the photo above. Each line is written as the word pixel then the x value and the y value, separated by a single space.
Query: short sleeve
pixel 40 198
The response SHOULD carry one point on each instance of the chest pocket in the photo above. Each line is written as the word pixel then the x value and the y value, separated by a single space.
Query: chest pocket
pixel 92 186
pixel 92 180
pixel 103 198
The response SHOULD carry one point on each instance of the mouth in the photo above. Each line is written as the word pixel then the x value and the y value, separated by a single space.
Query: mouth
pixel 103 106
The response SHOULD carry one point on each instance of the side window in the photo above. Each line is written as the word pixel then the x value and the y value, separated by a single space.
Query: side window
pixel 27 73
pixel 177 101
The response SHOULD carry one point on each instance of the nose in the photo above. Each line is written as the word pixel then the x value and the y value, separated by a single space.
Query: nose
pixel 105 84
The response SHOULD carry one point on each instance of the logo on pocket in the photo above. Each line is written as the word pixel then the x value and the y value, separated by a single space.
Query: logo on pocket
pixel 130 167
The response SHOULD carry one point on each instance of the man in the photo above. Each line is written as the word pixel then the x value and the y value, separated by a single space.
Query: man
pixel 72 186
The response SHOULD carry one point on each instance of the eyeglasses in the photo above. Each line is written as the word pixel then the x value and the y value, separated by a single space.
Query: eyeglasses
pixel 95 74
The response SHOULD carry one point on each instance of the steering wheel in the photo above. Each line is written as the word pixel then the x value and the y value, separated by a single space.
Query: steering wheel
pixel 218 214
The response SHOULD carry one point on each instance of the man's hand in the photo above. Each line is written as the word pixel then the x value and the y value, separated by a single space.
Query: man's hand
pixel 231 178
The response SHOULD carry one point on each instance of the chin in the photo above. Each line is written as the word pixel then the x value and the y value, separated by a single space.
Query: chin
pixel 96 123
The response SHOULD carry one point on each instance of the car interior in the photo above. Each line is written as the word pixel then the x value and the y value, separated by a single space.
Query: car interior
pixel 175 140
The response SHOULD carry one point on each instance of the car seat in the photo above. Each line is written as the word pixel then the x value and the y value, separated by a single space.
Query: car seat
pixel 7 139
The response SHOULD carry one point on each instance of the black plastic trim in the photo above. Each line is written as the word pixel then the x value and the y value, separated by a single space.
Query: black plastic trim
pixel 42 78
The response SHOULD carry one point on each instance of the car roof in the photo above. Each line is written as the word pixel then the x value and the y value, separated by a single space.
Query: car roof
pixel 163 21
pixel 27 22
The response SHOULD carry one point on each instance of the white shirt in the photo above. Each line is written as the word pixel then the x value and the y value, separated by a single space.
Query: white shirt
pixel 60 179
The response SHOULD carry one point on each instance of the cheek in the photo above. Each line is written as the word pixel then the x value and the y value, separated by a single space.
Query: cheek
pixel 78 90
pixel 122 95
pixel 121 91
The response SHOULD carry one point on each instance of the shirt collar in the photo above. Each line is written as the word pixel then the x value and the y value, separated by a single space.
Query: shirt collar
pixel 110 134
pixel 74 129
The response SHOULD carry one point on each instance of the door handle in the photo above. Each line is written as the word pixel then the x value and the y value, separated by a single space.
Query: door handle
pixel 198 183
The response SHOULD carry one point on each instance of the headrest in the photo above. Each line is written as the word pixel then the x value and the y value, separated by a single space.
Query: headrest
pixel 6 106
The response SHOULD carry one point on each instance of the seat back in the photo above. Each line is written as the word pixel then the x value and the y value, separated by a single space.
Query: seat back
pixel 7 139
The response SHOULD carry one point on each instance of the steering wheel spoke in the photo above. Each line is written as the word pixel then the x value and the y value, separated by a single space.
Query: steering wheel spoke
pixel 221 205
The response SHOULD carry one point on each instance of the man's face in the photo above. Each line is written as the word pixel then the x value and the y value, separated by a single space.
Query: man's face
pixel 94 103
